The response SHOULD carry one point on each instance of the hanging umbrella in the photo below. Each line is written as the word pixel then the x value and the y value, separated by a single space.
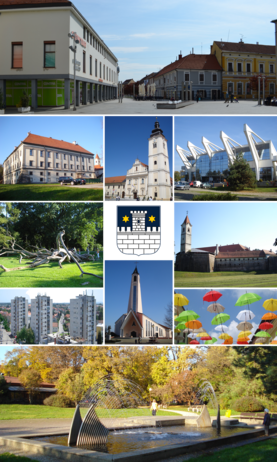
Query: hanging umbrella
pixel 180 300
pixel 221 328
pixel 215 308
pixel 220 318
pixel 262 333
pixel 265 325
pixel 274 342
pixel 181 326
pixel 245 333
pixel 245 315
pixel 247 299
pixel 206 337
pixel 194 324
pixel 202 334
pixel 228 341
pixel 242 343
pixel 243 339
pixel 188 315
pixel 245 326
pixel 194 342
pixel 270 304
pixel 192 335
pixel 212 296
pixel 269 317
pixel 224 336
pixel 210 342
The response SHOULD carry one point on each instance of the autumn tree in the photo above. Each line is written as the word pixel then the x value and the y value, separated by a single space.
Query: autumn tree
pixel 254 82
pixel 71 384
pixel 31 380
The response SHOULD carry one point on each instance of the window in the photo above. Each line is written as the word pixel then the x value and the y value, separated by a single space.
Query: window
pixel 49 54
pixel 65 166
pixel 64 156
pixel 154 145
pixel 30 173
pixel 77 167
pixel 41 179
pixel 90 39
pixel 77 158
pixel 41 164
pixel 87 36
pixel 41 173
pixel 248 68
pixel 155 180
pixel 239 88
pixel 104 72
pixel 248 88
pixel 57 155
pixel 155 162
pixel 84 33
pixel 230 67
pixel 214 79
pixel 48 154
pixel 96 68
pixel 261 67
pixel 71 166
pixel 142 181
pixel 271 89
pixel 100 70
pixel 57 174
pixel 90 65
pixel 271 68
pixel 49 164
pixel 57 165
pixel 17 55
pixel 186 77
pixel 156 194
pixel 31 152
pixel 31 163
pixel 84 61
pixel 201 78
pixel 70 157
pixel 239 67
pixel 41 153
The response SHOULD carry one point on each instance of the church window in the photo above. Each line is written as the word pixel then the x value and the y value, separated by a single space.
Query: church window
pixel 155 162
pixel 134 324
pixel 129 181
pixel 135 278
pixel 136 169
pixel 156 180
pixel 142 181
pixel 164 145
pixel 154 145
pixel 165 163
pixel 156 194
pixel 134 298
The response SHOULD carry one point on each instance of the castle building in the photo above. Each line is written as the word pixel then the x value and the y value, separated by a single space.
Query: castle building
pixel 41 317
pixel 144 181
pixel 83 318
pixel 135 323
pixel 98 168
pixel 234 257
pixel 19 314
pixel 38 159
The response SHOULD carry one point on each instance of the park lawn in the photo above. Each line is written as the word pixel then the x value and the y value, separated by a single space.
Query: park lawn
pixel 263 451
pixel 224 279
pixel 50 274
pixel 33 411
pixel 8 457
pixel 48 192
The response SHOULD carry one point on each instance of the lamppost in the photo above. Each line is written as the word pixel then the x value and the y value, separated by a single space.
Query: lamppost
pixel 74 49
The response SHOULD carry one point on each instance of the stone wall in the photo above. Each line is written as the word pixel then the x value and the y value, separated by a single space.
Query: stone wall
pixel 272 264
pixel 196 262
pixel 242 265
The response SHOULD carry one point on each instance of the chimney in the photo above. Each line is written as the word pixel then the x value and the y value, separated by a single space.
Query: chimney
pixel 180 55
pixel 257 43
pixel 29 133
pixel 74 142
pixel 192 51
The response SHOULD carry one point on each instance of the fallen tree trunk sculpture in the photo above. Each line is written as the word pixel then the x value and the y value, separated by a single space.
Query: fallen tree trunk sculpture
pixel 41 256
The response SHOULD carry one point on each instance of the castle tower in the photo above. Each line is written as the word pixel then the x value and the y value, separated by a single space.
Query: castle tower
pixel 159 185
pixel 186 235
pixel 135 303
pixel 97 160
pixel 138 220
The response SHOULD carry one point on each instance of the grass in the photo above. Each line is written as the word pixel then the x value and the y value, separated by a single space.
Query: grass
pixel 257 452
pixel 224 279
pixel 270 189
pixel 215 197
pixel 8 457
pixel 50 274
pixel 46 192
pixel 33 411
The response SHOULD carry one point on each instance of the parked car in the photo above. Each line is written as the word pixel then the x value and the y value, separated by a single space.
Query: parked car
pixel 182 185
pixel 67 180
pixel 80 181
pixel 197 184
pixel 206 185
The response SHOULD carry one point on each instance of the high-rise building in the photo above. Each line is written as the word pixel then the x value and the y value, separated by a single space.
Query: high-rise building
pixel 83 318
pixel 41 317
pixel 19 314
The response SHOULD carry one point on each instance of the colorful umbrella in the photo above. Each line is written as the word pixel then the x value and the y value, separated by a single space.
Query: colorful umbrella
pixel 247 299
pixel 209 342
pixel 245 333
pixel 212 296
pixel 265 325
pixel 188 315
pixel 215 308
pixel 221 328
pixel 245 326
pixel 228 341
pixel 269 317
pixel 194 342
pixel 224 336
pixel 262 333
pixel 181 326
pixel 245 315
pixel 180 300
pixel 243 339
pixel 192 335
pixel 270 304
pixel 206 337
pixel 220 318
pixel 274 342
pixel 241 343
pixel 260 340
pixel 201 334
pixel 194 324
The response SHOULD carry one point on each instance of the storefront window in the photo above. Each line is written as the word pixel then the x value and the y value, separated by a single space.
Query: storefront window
pixel 49 54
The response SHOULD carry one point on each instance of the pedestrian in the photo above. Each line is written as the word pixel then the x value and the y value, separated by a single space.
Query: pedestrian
pixel 153 407
pixel 232 97
pixel 227 97
pixel 197 96
pixel 150 198
pixel 266 422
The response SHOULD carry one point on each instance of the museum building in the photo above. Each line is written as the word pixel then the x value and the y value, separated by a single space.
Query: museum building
pixel 38 159
pixel 210 162
pixel 36 58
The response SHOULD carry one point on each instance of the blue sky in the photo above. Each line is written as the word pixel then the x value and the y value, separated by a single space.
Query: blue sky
pixel 228 300
pixel 126 138
pixel 194 128
pixel 57 295
pixel 251 224
pixel 87 131
pixel 156 288
pixel 145 36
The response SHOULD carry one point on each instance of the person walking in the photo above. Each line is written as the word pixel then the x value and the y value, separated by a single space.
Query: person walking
pixel 154 407
pixel 266 422
pixel 227 97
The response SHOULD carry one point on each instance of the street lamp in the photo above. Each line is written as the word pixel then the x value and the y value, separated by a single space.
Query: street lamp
pixel 74 49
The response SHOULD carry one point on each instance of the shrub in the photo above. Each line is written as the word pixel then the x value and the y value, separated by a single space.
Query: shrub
pixel 247 404
pixel 215 197
pixel 24 100
pixel 58 401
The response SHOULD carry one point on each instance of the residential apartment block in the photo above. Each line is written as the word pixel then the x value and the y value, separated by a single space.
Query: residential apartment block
pixel 41 317
pixel 83 318
pixel 19 314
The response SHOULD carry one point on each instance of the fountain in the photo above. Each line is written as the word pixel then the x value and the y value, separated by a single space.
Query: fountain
pixel 206 394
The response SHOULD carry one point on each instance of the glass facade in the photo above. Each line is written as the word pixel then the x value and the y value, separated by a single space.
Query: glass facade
pixel 214 167
pixel 266 173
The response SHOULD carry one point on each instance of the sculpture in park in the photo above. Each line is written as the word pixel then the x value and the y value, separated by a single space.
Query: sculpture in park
pixel 41 256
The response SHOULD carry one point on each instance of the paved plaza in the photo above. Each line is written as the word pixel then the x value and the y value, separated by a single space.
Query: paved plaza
pixel 128 106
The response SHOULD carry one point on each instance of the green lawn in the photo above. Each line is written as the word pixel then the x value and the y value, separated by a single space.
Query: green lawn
pixel 8 457
pixel 263 451
pixel 224 279
pixel 50 274
pixel 46 192
pixel 21 411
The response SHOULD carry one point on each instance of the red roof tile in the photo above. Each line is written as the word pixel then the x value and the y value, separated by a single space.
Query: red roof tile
pixel 243 254
pixel 224 248
pixel 247 47
pixel 56 144
pixel 16 381
pixel 115 179
pixel 98 167
pixel 192 61
pixel 187 222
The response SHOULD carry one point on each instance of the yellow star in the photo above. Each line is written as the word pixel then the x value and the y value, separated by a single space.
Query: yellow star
pixel 151 218
pixel 125 218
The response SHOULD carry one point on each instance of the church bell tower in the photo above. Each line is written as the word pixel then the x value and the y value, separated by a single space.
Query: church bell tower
pixel 135 303
pixel 186 235
pixel 159 183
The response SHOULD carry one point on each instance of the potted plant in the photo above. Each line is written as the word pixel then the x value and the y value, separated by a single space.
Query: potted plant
pixel 23 105
pixel 2 107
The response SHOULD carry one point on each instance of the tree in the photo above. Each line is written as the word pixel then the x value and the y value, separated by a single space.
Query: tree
pixel 254 82
pixel 1 172
pixel 71 384
pixel 177 176
pixel 9 216
pixel 26 335
pixel 4 387
pixel 31 380
pixel 240 174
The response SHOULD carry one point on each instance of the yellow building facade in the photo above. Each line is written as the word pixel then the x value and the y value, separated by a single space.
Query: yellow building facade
pixel 241 61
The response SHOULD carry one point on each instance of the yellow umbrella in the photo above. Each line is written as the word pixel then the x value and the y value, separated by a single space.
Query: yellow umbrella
pixel 202 334
pixel 180 300
pixel 224 336
pixel 245 333
pixel 270 304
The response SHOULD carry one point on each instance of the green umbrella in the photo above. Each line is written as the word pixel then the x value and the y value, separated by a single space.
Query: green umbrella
pixel 181 326
pixel 186 316
pixel 209 342
pixel 247 299
pixel 262 333
pixel 220 318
